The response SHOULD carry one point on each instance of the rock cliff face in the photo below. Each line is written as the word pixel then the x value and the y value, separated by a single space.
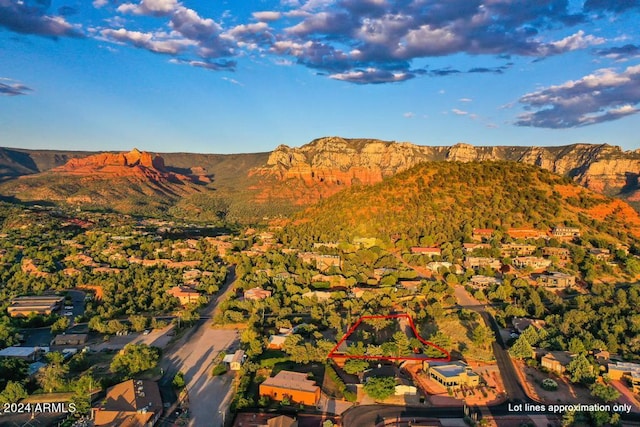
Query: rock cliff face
pixel 329 164
pixel 123 181
pixel 134 163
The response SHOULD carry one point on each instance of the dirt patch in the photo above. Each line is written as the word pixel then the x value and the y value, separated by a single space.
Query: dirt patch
pixel 566 392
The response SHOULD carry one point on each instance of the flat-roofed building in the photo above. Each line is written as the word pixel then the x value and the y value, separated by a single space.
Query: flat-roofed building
pixel 481 282
pixel 561 231
pixel 602 254
pixel 453 374
pixel 511 249
pixel 562 254
pixel 26 305
pixel 531 262
pixel 556 280
pixel 294 386
pixel 69 340
pixel 629 371
pixel 30 354
pixel 481 262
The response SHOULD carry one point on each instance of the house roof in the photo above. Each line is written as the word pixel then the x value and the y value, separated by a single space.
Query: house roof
pixel 562 357
pixel 451 370
pixel 282 421
pixel 18 351
pixel 133 396
pixel 277 339
pixel 292 381
pixel 64 339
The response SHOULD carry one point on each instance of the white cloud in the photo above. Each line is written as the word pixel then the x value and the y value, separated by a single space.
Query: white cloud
pixel 267 16
pixel 149 7
pixel 605 95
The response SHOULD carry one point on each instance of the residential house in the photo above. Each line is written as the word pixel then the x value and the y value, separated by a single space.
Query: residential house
pixel 481 262
pixel 185 294
pixel 533 262
pixel 280 421
pixel 562 254
pixel 563 232
pixel 133 403
pixel 452 374
pixel 69 340
pixel 481 282
pixel 480 234
pixel 601 254
pixel 30 354
pixel 294 386
pixel 520 324
pixel 256 294
pixel 322 262
pixel 430 252
pixel 435 266
pixel 470 247
pixel 276 342
pixel 556 280
pixel 405 387
pixel 513 249
pixel 556 361
pixel 628 371
pixel 235 360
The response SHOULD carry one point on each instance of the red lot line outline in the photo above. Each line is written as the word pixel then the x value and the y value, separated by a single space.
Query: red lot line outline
pixel 333 353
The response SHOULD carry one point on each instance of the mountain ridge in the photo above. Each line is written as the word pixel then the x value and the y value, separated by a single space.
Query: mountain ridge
pixel 332 163
pixel 287 178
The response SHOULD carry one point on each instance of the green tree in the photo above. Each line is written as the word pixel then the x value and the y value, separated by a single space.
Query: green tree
pixel 135 358
pixel 13 392
pixel 580 370
pixel 83 388
pixel 178 381
pixel 380 388
pixel 402 342
pixel 60 325
pixel 355 366
pixel 521 349
pixel 138 322
pixel 482 336
pixel 51 376
pixel 604 392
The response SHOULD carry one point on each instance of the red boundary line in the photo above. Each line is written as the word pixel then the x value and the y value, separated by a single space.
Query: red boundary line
pixel 333 353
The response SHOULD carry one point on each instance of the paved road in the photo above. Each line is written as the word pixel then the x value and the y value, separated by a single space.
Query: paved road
pixel 508 373
pixel 193 355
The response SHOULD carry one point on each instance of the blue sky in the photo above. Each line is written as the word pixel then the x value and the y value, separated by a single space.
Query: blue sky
pixel 245 76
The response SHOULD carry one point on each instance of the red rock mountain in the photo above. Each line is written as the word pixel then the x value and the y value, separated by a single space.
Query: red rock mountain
pixel 325 166
pixel 134 163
